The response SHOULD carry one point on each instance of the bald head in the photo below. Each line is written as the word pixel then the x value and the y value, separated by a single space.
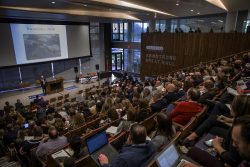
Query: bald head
pixel 170 88
pixel 53 134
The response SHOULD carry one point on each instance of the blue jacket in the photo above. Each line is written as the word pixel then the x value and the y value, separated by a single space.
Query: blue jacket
pixel 134 156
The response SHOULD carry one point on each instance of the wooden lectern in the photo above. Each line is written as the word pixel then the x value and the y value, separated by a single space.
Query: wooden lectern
pixel 54 86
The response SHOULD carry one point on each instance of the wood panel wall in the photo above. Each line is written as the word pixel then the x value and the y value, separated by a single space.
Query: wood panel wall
pixel 186 49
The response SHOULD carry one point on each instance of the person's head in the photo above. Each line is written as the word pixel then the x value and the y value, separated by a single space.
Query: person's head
pixel 53 133
pixel 193 94
pixel 146 92
pixel 76 143
pixel 241 136
pixel 38 131
pixel 69 162
pixel 7 103
pixel 240 106
pixel 164 123
pixel 112 114
pixel 37 96
pixel 137 134
pixel 157 83
pixel 170 88
pixel 18 101
pixel 208 84
pixel 79 119
pixel 130 115
pixel 156 96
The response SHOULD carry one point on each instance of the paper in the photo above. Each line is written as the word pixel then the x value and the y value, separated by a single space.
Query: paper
pixel 69 151
pixel 28 137
pixel 241 84
pixel 229 106
pixel 112 130
pixel 232 91
pixel 60 154
pixel 125 117
pixel 148 138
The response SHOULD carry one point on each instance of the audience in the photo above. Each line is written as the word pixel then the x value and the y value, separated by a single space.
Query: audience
pixel 137 151
pixel 185 110
pixel 180 92
pixel 50 143
pixel 241 139
pixel 165 131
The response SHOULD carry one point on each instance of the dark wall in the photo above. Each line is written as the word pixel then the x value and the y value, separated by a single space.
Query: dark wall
pixel 165 52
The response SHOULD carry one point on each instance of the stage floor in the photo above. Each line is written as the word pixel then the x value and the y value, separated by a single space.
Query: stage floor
pixel 24 95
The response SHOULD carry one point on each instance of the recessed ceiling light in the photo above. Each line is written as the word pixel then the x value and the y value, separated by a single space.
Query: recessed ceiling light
pixel 53 2
pixel 198 13
pixel 85 5
pixel 177 4
pixel 191 10
pixel 213 22
pixel 148 14
pixel 220 21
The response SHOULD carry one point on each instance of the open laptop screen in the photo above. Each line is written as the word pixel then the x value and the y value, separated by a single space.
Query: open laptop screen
pixel 168 157
pixel 96 141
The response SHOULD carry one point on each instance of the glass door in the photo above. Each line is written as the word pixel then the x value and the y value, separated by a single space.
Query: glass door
pixel 117 61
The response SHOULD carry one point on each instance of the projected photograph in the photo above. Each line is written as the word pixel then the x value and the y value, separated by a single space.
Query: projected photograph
pixel 41 46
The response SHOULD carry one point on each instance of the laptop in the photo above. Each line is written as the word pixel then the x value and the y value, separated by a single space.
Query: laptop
pixel 171 158
pixel 98 144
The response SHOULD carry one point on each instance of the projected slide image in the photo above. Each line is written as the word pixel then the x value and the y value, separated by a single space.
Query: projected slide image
pixel 40 46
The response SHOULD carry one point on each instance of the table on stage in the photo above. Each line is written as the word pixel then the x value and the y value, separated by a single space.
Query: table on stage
pixel 54 86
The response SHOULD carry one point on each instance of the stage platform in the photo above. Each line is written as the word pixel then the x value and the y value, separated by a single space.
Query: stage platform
pixel 26 96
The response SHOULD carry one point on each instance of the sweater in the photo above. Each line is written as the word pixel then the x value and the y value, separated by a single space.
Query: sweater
pixel 184 111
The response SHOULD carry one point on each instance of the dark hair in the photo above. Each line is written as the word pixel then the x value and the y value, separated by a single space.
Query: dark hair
pixel 244 122
pixel 130 115
pixel 38 131
pixel 69 162
pixel 164 122
pixel 194 94
pixel 76 144
pixel 241 105
pixel 138 134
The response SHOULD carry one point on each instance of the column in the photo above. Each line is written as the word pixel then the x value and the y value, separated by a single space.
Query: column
pixel 231 21
pixel 152 25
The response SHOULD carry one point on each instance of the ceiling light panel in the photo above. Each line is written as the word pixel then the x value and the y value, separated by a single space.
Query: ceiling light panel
pixel 218 3
pixel 132 5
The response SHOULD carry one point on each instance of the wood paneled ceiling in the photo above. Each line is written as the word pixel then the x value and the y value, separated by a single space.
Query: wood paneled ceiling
pixel 85 10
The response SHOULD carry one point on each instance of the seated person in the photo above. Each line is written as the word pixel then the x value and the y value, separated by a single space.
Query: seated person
pixel 241 139
pixel 143 111
pixel 50 143
pixel 136 153
pixel 185 110
pixel 164 132
pixel 125 124
pixel 77 147
pixel 157 102
pixel 30 144
pixel 172 93
pixel 18 105
pixel 220 126
pixel 208 91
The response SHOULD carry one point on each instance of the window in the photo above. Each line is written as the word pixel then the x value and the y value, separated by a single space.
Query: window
pixel 137 29
pixel 119 31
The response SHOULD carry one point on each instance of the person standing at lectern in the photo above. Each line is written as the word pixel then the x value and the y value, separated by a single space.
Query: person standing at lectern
pixel 43 84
